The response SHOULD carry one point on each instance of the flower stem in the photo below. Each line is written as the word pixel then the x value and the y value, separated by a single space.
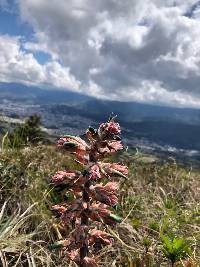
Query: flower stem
pixel 84 222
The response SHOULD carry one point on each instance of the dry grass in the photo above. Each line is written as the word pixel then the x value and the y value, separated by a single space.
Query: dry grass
pixel 156 199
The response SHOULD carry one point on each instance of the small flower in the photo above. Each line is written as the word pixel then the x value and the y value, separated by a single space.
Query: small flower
pixel 73 255
pixel 100 236
pixel 108 147
pixel 82 156
pixel 74 210
pixel 105 193
pixel 99 212
pixel 115 169
pixel 89 262
pixel 76 145
pixel 72 142
pixel 67 177
pixel 94 172
pixel 111 187
pixel 58 210
pixel 69 212
pixel 109 129
pixel 115 146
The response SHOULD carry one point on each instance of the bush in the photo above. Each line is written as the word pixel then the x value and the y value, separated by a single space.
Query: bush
pixel 27 133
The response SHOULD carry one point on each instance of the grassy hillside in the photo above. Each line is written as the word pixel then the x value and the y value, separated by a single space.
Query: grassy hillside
pixel 158 201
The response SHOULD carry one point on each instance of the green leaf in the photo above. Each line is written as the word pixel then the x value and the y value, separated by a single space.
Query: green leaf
pixel 175 248
pixel 92 130
pixel 115 218
pixel 69 196
pixel 119 174
pixel 70 144
pixel 56 245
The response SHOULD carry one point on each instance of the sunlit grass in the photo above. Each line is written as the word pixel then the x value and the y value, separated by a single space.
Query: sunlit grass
pixel 158 199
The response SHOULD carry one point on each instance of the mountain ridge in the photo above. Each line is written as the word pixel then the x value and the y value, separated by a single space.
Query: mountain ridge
pixel 143 125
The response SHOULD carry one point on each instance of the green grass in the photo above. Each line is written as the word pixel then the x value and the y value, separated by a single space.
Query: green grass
pixel 157 200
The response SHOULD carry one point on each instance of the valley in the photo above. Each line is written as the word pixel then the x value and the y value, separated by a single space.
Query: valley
pixel 164 131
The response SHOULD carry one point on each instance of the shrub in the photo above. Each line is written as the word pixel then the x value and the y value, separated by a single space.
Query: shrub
pixel 29 132
pixel 175 248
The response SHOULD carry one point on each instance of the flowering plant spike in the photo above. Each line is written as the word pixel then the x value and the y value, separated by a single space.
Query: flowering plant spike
pixel 94 192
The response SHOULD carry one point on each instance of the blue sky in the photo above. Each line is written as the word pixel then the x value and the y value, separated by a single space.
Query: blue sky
pixel 146 51
pixel 10 24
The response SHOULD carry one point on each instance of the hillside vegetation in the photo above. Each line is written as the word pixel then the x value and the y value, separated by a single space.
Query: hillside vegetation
pixel 159 203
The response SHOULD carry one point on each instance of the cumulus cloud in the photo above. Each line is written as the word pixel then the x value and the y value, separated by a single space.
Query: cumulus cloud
pixel 146 51
pixel 17 65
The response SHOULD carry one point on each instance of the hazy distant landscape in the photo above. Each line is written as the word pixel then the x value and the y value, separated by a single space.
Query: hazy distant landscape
pixel 161 130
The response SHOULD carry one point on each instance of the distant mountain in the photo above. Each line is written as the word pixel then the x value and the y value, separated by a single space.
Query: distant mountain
pixel 36 95
pixel 132 111
pixel 142 124
pixel 95 108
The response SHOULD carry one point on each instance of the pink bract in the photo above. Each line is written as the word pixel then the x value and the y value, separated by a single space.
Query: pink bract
pixel 110 128
pixel 99 212
pixel 80 143
pixel 100 235
pixel 61 176
pixel 111 168
pixel 115 146
pixel 94 173
pixel 89 262
pixel 73 255
pixel 105 193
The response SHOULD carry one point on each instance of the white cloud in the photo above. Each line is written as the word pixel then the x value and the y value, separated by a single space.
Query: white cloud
pixel 145 51
pixel 147 91
pixel 16 65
